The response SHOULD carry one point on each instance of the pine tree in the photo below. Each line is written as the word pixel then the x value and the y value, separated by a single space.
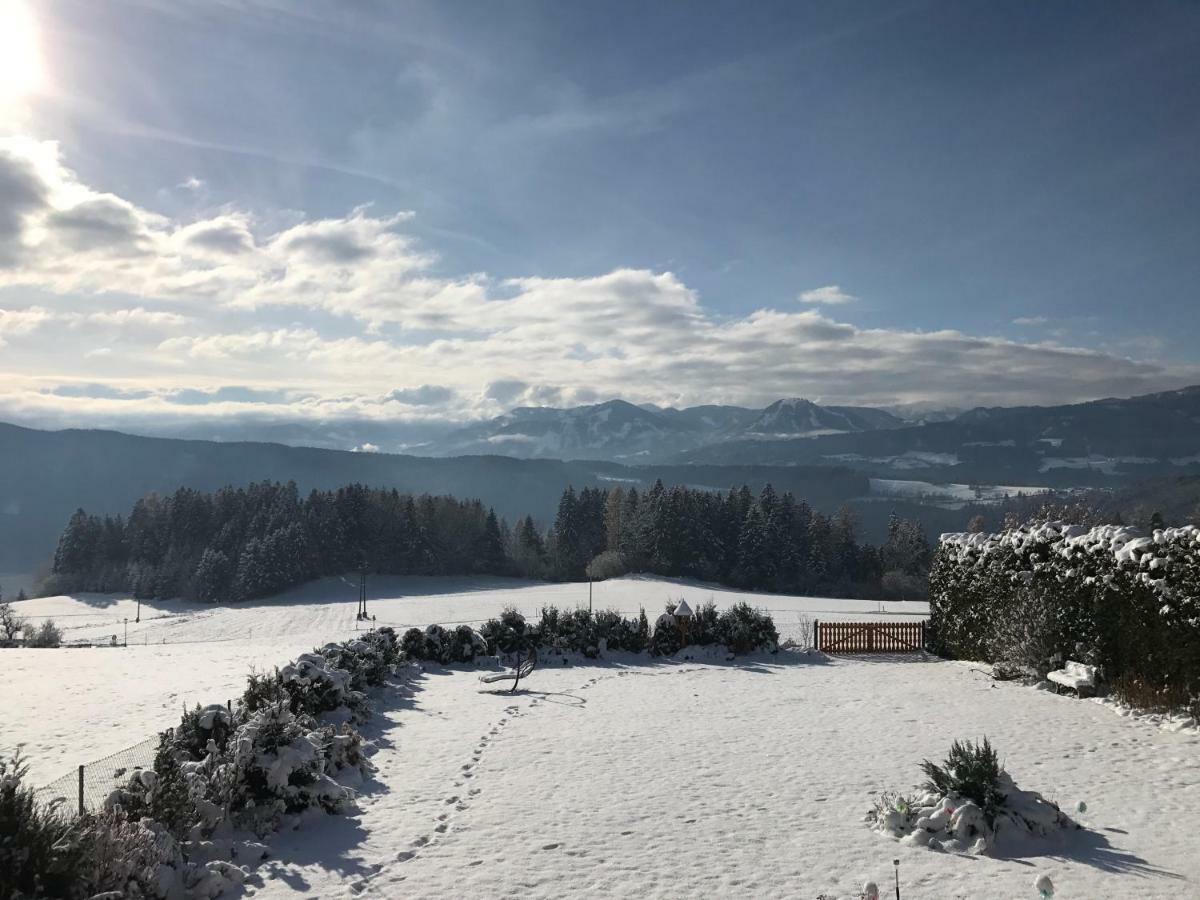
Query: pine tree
pixel 567 559
pixel 614 510
pixel 492 559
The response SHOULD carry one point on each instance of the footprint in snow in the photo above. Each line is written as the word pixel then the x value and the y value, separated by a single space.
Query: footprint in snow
pixel 441 829
pixel 453 799
pixel 421 841
pixel 551 846
pixel 474 791
pixel 475 862
pixel 405 856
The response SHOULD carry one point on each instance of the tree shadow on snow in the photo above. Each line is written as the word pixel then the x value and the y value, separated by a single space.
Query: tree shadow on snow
pixel 889 658
pixel 334 843
pixel 1091 848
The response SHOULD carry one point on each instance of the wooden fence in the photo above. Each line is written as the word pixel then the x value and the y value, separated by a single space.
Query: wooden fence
pixel 870 637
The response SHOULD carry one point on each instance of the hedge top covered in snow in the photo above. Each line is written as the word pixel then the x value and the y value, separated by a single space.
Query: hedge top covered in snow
pixel 1123 542
pixel 1166 560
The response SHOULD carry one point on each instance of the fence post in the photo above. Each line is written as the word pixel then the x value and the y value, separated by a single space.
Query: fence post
pixel 81 790
pixel 816 634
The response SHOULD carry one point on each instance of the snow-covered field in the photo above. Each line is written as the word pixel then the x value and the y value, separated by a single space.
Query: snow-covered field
pixel 104 699
pixel 954 493
pixel 633 778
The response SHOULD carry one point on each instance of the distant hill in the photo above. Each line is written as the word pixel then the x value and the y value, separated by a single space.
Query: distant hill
pixel 46 475
pixel 620 431
pixel 803 418
pixel 1101 443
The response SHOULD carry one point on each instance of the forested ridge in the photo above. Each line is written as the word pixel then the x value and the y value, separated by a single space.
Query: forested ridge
pixel 242 543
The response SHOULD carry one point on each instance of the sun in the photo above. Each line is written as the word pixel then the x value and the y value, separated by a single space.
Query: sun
pixel 20 60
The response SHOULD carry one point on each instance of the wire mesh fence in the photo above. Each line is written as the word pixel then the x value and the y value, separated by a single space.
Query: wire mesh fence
pixel 86 789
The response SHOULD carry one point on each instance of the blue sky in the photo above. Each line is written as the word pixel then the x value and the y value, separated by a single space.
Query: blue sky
pixel 1005 196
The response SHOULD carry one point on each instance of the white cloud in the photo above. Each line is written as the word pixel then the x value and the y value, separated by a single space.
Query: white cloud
pixel 1030 320
pixel 319 319
pixel 21 322
pixel 830 295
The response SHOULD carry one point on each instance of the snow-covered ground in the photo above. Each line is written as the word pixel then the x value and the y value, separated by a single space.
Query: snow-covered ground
pixel 956 494
pixel 736 780
pixel 632 777
pixel 104 699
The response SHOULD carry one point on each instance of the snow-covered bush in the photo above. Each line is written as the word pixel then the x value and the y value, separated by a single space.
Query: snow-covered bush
pixel 971 771
pixel 969 804
pixel 343 748
pixel 442 645
pixel 1038 595
pixel 744 629
pixel 666 639
pixel 168 831
pixel 507 634
pixel 130 857
pixel 199 726
pixel 277 766
pixel 47 852
pixel 38 856
pixel 315 685
pixel 618 633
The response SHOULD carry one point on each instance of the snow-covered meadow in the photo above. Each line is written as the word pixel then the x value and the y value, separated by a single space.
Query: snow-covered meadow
pixel 629 777
pixel 180 653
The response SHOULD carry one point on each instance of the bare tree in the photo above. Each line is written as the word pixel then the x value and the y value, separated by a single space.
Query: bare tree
pixel 10 623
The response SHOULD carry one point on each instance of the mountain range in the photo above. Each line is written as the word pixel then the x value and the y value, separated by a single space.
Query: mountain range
pixel 1068 445
pixel 618 430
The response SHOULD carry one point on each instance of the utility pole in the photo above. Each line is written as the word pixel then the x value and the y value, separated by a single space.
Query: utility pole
pixel 139 610
pixel 362 593
pixel 589 593
pixel 126 631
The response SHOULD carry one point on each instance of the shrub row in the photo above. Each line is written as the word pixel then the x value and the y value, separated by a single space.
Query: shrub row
pixel 170 831
pixel 592 634
pixel 1112 596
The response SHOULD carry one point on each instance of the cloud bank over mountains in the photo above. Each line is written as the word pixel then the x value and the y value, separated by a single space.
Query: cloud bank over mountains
pixel 114 314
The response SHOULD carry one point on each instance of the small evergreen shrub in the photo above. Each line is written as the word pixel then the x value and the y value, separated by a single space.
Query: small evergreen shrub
pixel 264 690
pixel 744 629
pixel 666 639
pixel 39 854
pixel 971 771
pixel 509 633
pixel 199 726
pixel 277 766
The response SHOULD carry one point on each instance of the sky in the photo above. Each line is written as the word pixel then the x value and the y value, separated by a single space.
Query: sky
pixel 251 214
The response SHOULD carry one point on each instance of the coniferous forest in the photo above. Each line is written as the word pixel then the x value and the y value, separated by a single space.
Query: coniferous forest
pixel 243 543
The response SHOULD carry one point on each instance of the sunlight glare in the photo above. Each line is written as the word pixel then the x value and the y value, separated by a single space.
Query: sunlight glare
pixel 20 61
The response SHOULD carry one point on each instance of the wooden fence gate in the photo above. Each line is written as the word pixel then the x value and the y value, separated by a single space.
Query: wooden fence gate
pixel 870 637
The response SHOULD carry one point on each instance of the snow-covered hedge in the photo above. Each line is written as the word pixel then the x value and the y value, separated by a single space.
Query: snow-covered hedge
pixel 444 645
pixel 178 830
pixel 1038 595
pixel 591 634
